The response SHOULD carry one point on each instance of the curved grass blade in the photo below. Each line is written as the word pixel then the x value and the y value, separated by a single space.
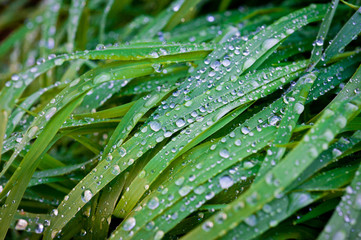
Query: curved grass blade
pixel 347 33
pixel 283 174
pixel 316 53
pixel 344 221
pixel 295 107
pixel 28 166
pixel 75 12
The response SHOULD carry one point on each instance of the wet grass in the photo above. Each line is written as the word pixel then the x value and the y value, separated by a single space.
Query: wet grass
pixel 180 119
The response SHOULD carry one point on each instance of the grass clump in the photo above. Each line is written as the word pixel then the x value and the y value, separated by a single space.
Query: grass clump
pixel 180 119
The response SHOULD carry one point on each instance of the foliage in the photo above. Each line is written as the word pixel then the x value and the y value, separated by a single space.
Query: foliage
pixel 180 119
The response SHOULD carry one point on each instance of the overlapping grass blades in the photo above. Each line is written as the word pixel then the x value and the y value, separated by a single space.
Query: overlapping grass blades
pixel 226 125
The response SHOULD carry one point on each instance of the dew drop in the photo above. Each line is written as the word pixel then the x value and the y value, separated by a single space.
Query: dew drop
pixel 249 62
pixel 155 126
pixel 102 78
pixel 50 113
pixel 39 228
pixel 129 224
pixel 116 170
pixel 245 130
pixel 21 224
pixel 184 190
pixel 251 221
pixel 159 235
pixel 224 153
pixel 207 225
pixel 225 182
pixel 153 203
pixel 180 122
pixel 86 196
pixel 58 61
pixel 269 43
pixel 32 131
pixel 226 62
pixel 299 108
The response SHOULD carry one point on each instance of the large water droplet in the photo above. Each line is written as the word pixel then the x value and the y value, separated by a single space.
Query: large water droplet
pixel 155 126
pixel 50 113
pixel 21 224
pixel 249 62
pixel 225 182
pixel 39 228
pixel 86 196
pixel 180 122
pixel 269 43
pixel 224 153
pixel 159 234
pixel 153 203
pixel 102 78
pixel 129 224
pixel 299 108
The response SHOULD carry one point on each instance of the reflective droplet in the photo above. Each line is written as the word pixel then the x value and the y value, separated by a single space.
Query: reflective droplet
pixel 153 203
pixel 269 43
pixel 86 196
pixel 39 228
pixel 180 122
pixel 224 153
pixel 225 182
pixel 50 113
pixel 299 108
pixel 102 78
pixel 21 224
pixel 155 126
pixel 129 224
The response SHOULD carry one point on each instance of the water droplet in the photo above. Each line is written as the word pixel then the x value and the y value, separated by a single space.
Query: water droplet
pixel 319 42
pixel 179 181
pixel 238 142
pixel 245 130
pixel 358 201
pixel 86 196
pixel 102 78
pixel 21 224
pixel 225 182
pixel 273 120
pixel 215 65
pixel 58 61
pixel 39 228
pixel 226 62
pixel 153 203
pixel 224 153
pixel 336 152
pixel 249 62
pixel 50 113
pixel 207 225
pixel 290 31
pixel 54 212
pixel 269 43
pixel 180 122
pixel 251 220
pixel 341 121
pixel 116 170
pixel 299 108
pixel 159 235
pixel 152 100
pixel 184 190
pixel 340 235
pixel 155 126
pixel 210 18
pixel 32 131
pixel 328 135
pixel 129 224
